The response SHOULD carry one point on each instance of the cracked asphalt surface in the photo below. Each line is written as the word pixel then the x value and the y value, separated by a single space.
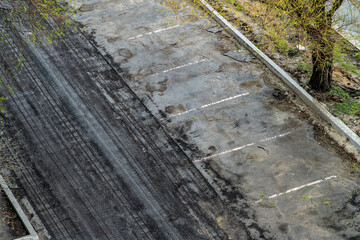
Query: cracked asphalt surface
pixel 141 129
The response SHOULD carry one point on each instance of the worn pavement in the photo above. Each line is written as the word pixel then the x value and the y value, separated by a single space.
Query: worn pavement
pixel 148 127
pixel 254 144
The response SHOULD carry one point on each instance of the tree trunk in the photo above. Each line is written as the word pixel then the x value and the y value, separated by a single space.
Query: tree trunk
pixel 322 59
pixel 322 72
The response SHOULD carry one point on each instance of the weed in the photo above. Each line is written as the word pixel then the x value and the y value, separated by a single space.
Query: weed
pixel 188 165
pixel 306 197
pixel 346 104
pixel 305 67
pixel 237 5
pixel 251 156
pixel 213 118
pixel 357 55
pixel 347 64
pixel 326 202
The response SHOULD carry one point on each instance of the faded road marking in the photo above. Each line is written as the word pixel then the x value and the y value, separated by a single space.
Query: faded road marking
pixel 208 105
pixel 297 188
pixel 181 66
pixel 150 33
pixel 239 148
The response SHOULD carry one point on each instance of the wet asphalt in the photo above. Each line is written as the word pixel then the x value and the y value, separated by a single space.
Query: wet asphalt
pixel 253 144
pixel 95 163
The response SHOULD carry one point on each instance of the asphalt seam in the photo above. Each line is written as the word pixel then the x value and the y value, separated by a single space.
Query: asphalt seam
pixel 315 105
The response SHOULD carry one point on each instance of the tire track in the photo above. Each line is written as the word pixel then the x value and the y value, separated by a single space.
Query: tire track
pixel 89 70
pixel 26 115
pixel 67 132
pixel 60 134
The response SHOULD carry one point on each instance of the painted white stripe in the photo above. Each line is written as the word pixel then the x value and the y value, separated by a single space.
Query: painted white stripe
pixel 226 152
pixel 297 188
pixel 181 66
pixel 208 105
pixel 150 33
pixel 182 113
pixel 224 100
pixel 271 138
pixel 239 148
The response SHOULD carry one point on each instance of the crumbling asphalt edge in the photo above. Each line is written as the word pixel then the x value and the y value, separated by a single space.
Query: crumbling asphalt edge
pixel 318 107
pixel 29 228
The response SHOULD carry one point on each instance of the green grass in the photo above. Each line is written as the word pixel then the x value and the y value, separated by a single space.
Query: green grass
pixel 306 197
pixel 346 104
pixel 304 66
pixel 237 5
pixel 350 68
pixel 357 55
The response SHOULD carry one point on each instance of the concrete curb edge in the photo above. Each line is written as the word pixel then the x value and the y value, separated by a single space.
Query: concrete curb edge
pixel 347 35
pixel 306 97
pixel 29 228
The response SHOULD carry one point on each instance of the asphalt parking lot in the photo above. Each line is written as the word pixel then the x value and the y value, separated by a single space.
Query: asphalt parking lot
pixel 219 104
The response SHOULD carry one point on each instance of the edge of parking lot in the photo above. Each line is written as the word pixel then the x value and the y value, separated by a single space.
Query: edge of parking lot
pixel 315 105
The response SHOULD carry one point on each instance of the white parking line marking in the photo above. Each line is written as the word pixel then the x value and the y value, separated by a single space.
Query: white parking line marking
pixel 224 100
pixel 271 138
pixel 150 33
pixel 241 147
pixel 297 188
pixel 208 105
pixel 181 66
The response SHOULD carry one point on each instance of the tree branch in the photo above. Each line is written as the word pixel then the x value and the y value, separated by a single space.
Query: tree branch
pixel 355 4
pixel 335 6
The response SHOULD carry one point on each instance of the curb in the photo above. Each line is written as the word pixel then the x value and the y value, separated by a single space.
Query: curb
pixel 29 228
pixel 318 107
pixel 348 36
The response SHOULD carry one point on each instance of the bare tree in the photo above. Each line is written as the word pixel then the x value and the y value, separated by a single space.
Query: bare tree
pixel 315 17
pixel 24 22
